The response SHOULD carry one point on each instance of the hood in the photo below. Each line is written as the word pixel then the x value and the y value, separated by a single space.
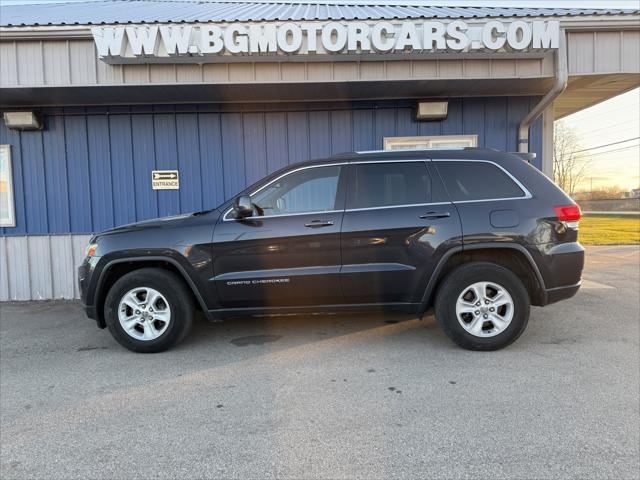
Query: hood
pixel 162 222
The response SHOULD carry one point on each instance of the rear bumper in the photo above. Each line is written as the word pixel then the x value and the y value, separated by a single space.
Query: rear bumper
pixel 554 295
pixel 563 271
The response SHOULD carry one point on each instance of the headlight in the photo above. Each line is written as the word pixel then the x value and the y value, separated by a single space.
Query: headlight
pixel 90 250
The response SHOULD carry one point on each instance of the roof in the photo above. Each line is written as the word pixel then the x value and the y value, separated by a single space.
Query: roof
pixel 168 11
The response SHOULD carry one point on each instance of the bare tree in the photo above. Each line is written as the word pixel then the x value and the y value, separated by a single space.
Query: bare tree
pixel 569 168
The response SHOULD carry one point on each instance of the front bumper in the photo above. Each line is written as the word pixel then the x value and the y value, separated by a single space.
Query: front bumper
pixel 86 284
pixel 91 312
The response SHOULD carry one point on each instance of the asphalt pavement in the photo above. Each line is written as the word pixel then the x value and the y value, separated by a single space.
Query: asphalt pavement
pixel 330 396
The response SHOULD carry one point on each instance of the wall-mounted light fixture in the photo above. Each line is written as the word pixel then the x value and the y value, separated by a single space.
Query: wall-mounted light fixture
pixel 22 120
pixel 432 110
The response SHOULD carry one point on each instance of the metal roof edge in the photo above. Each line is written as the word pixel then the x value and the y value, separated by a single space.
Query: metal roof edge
pixel 43 32
pixel 124 12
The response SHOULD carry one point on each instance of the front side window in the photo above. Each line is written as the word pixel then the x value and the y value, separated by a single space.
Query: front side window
pixel 309 190
pixel 388 184
pixel 7 216
pixel 477 181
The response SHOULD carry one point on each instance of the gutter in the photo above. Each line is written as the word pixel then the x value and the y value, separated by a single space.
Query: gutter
pixel 562 76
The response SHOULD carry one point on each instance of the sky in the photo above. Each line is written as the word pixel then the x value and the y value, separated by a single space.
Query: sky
pixel 608 134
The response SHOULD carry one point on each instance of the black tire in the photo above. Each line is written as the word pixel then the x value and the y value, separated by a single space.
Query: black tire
pixel 466 275
pixel 178 296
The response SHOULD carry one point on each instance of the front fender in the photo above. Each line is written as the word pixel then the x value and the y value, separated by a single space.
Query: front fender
pixel 96 292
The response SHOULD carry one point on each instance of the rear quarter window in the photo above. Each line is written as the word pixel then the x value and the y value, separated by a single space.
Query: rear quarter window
pixel 477 180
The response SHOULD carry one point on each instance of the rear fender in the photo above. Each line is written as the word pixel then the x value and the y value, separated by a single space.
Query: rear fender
pixel 427 297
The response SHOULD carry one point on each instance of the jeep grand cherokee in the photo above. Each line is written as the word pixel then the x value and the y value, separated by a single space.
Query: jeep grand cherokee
pixel 475 235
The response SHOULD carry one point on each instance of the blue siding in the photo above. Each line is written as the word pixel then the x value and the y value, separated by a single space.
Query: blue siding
pixel 211 165
pixel 80 205
pixel 276 140
pixel 255 156
pixel 189 165
pixel 363 132
pixel 90 168
pixel 56 181
pixel 121 149
pixel 495 123
pixel 101 180
pixel 34 183
pixel 320 125
pixel 144 161
pixel 233 160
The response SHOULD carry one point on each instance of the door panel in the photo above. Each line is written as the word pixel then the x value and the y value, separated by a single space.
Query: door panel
pixel 389 251
pixel 288 253
pixel 278 261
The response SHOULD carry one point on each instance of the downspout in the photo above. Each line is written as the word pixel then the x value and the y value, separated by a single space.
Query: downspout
pixel 560 84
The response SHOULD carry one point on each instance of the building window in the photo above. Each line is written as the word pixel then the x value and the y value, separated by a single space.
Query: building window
pixel 440 141
pixel 7 215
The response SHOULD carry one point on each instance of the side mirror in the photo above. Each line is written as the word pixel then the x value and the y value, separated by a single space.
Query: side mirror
pixel 242 206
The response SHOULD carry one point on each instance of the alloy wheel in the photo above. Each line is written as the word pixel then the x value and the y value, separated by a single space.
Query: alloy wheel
pixel 144 313
pixel 484 309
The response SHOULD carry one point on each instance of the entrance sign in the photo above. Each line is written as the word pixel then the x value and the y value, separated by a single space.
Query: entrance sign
pixel 204 42
pixel 165 180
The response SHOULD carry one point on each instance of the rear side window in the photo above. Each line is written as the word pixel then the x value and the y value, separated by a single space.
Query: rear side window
pixel 388 184
pixel 477 181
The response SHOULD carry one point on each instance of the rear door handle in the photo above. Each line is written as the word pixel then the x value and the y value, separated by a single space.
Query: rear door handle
pixel 436 215
pixel 318 223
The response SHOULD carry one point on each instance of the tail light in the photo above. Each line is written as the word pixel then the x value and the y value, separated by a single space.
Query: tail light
pixel 568 213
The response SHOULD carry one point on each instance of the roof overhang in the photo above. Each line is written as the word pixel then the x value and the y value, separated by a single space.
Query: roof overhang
pixel 584 91
pixel 603 50
pixel 581 92
pixel 273 92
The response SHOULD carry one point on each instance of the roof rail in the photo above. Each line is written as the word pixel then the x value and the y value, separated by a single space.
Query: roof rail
pixel 526 156
pixel 427 149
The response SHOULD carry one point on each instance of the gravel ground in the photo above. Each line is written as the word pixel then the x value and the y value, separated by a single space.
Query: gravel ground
pixel 348 396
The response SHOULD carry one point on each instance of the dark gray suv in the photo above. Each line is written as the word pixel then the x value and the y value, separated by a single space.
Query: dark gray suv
pixel 475 235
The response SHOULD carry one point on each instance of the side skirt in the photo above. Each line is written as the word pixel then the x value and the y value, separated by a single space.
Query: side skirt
pixel 310 309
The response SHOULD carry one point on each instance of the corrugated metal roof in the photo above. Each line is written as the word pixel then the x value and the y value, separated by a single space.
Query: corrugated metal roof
pixel 162 11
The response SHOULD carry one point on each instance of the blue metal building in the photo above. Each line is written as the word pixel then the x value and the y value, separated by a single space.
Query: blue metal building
pixel 101 123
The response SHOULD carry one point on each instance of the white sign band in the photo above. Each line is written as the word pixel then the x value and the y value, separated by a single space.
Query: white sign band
pixel 145 42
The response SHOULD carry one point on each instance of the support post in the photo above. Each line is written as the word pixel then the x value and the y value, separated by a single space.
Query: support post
pixel 548 118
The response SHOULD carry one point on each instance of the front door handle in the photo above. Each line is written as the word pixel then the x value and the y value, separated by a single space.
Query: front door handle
pixel 318 223
pixel 436 215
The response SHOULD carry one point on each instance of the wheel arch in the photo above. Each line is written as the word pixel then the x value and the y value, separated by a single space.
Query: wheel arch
pixel 116 268
pixel 522 264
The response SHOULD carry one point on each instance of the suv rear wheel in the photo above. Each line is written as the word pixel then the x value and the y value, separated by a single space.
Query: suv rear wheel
pixel 482 306
pixel 149 310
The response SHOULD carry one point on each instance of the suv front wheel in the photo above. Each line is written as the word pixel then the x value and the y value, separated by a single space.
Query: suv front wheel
pixel 149 310
pixel 482 306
